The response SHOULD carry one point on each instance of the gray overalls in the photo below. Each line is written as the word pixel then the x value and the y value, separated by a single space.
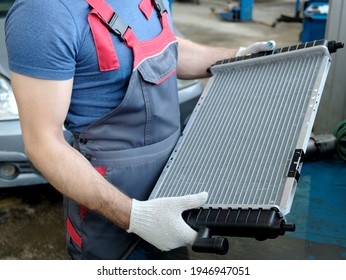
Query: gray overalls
pixel 130 145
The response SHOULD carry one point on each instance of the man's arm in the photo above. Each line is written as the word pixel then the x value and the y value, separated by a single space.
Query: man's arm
pixel 43 105
pixel 195 59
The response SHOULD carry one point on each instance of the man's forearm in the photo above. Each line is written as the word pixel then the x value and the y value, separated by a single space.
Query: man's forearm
pixel 42 106
pixel 194 59
pixel 71 174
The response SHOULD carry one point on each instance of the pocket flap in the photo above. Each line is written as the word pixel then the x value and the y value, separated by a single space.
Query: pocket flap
pixel 158 68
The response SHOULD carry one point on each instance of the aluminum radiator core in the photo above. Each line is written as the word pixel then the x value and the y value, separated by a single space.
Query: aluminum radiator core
pixel 244 141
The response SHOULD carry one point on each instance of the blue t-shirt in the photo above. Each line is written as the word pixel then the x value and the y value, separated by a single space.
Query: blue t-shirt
pixel 52 40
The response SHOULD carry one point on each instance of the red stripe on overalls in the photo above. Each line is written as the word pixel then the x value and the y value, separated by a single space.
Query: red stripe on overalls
pixel 76 238
pixel 82 210
pixel 141 49
pixel 166 77
pixel 101 169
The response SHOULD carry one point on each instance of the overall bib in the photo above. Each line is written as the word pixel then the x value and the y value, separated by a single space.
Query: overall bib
pixel 131 145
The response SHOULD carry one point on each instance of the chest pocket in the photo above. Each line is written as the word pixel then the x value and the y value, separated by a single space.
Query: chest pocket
pixel 159 68
pixel 159 88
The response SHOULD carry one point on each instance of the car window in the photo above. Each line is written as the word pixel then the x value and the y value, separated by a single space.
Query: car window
pixel 5 5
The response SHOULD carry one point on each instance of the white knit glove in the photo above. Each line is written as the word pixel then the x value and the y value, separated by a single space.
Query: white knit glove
pixel 256 47
pixel 160 223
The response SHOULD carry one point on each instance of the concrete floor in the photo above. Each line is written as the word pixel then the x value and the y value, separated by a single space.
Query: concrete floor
pixel 198 23
pixel 318 210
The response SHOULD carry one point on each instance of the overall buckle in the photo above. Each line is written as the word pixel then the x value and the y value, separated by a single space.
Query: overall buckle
pixel 159 7
pixel 118 26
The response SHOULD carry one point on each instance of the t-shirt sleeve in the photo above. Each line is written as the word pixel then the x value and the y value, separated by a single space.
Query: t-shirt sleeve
pixel 41 39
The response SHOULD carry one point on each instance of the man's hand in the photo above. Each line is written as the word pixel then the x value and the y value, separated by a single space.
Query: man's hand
pixel 160 223
pixel 256 47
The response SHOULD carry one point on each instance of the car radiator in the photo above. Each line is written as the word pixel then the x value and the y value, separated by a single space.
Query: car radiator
pixel 245 141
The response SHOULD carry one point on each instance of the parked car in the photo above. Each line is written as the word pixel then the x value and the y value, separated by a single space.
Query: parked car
pixel 15 167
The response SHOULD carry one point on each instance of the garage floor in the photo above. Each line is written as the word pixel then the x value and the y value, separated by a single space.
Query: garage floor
pixel 199 23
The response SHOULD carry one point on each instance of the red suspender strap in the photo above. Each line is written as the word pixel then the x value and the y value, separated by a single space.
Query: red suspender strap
pixel 147 7
pixel 106 54
pixel 103 19
pixel 104 11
